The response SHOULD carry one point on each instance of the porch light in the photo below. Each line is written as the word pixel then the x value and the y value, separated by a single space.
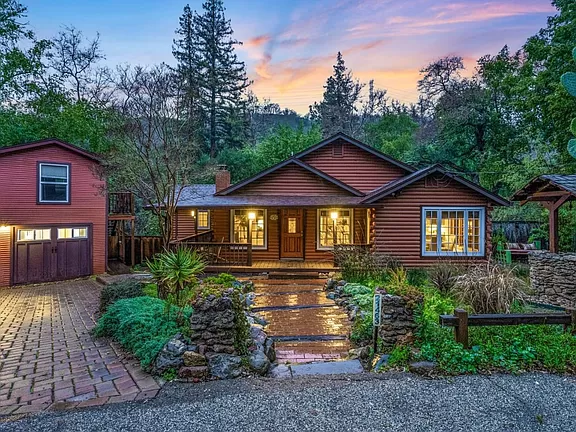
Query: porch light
pixel 251 215
pixel 4 227
pixel 334 215
pixel 193 213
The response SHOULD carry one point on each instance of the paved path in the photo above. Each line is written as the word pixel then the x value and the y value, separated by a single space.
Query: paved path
pixel 500 403
pixel 305 324
pixel 47 354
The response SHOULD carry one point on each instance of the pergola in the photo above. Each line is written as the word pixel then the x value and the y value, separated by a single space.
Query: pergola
pixel 551 191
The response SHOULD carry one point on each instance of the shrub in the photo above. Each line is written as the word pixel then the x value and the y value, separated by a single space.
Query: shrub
pixel 176 273
pixel 398 284
pixel 489 288
pixel 399 356
pixel 223 279
pixel 120 290
pixel 418 277
pixel 443 276
pixel 362 330
pixel 358 264
pixel 141 326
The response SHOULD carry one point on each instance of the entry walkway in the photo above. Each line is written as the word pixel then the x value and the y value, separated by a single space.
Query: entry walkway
pixel 305 325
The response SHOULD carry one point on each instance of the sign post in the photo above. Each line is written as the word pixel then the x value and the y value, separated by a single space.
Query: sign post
pixel 376 319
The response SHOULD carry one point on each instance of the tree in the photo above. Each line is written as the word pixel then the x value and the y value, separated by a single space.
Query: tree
pixel 18 66
pixel 393 134
pixel 221 77
pixel 440 76
pixel 152 157
pixel 569 83
pixel 338 110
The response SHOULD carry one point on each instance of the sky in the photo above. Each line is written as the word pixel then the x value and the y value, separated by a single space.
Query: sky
pixel 289 46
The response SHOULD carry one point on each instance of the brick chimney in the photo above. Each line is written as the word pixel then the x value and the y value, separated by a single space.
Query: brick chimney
pixel 222 178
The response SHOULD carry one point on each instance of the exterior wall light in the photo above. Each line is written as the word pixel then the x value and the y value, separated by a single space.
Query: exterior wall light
pixel 4 227
pixel 193 213
pixel 334 215
pixel 251 215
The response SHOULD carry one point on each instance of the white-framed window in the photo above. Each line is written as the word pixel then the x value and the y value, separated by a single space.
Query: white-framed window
pixel 334 225
pixel 203 219
pixel 72 233
pixel 453 231
pixel 249 226
pixel 54 183
pixel 33 234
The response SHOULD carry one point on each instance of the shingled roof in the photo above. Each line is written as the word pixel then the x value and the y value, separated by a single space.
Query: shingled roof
pixel 548 182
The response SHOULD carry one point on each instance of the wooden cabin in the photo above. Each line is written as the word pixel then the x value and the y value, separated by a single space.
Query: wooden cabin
pixel 338 192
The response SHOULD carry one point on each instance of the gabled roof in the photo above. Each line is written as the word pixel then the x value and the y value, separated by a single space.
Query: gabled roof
pixel 287 162
pixel 397 185
pixel 45 143
pixel 565 183
pixel 358 144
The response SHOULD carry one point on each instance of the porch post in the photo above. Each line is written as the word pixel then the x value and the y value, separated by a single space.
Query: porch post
pixel 553 228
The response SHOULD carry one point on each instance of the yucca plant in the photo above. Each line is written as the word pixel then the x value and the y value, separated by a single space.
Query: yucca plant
pixel 490 288
pixel 175 272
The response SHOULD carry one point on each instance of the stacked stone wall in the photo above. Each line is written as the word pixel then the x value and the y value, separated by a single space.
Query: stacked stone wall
pixel 553 277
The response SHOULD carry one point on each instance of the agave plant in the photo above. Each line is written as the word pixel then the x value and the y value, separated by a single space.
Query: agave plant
pixel 175 272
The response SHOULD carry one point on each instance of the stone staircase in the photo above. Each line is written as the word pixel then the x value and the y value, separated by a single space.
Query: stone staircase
pixel 305 325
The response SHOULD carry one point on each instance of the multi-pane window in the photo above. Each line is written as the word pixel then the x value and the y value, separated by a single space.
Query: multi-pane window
pixel 453 231
pixel 203 219
pixel 249 226
pixel 54 183
pixel 33 234
pixel 72 233
pixel 334 226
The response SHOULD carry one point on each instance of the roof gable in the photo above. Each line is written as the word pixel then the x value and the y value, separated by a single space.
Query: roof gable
pixel 356 143
pixel 48 142
pixel 546 183
pixel 391 188
pixel 330 185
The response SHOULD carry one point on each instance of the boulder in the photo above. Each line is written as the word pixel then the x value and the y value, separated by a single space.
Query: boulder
pixel 171 355
pixel 422 367
pixel 269 349
pixel 191 358
pixel 259 363
pixel 382 361
pixel 281 371
pixel 257 334
pixel 359 353
pixel 193 372
pixel 225 366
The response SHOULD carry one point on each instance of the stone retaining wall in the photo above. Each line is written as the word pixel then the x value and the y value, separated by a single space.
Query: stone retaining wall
pixel 553 277
pixel 397 320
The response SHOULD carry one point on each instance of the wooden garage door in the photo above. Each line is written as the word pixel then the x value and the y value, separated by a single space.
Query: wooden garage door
pixel 51 253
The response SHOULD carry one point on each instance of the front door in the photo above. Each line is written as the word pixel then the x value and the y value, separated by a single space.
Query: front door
pixel 292 242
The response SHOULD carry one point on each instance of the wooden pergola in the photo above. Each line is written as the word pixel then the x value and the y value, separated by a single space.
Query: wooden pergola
pixel 552 191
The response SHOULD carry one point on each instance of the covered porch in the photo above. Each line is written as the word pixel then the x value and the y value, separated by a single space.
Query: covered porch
pixel 272 238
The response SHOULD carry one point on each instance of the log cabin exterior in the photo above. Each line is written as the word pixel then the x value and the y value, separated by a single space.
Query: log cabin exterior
pixel 338 192
pixel 53 213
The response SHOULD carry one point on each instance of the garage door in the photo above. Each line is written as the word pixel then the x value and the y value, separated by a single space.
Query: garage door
pixel 51 253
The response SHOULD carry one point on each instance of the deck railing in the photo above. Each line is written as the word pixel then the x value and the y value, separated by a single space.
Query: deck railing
pixel 221 254
pixel 202 237
pixel 121 203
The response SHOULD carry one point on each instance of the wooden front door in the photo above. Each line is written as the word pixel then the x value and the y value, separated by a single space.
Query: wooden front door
pixel 292 241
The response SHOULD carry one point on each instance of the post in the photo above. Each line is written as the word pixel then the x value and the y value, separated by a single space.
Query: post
pixel 553 221
pixel 572 326
pixel 461 330
pixel 132 243
pixel 249 256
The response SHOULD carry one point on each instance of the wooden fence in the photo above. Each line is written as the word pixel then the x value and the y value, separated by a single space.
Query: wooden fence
pixel 145 247
pixel 222 254
pixel 461 321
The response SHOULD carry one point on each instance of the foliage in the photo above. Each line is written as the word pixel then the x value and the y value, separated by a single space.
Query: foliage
pixel 489 288
pixel 397 284
pixel 224 279
pixel 360 265
pixel 399 356
pixel 417 277
pixel 362 329
pixel 569 83
pixel 128 288
pixel 443 275
pixel 394 135
pixel 176 273
pixel 141 326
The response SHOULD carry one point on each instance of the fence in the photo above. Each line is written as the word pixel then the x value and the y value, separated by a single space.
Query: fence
pixel 145 247
pixel 516 231
pixel 461 321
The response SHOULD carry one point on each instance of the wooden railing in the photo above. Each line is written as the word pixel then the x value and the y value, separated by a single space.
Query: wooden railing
pixel 221 254
pixel 121 203
pixel 461 321
pixel 203 237
pixel 145 247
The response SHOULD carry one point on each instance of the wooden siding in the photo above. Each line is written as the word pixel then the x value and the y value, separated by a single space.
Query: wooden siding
pixel 355 167
pixel 185 225
pixel 398 220
pixel 18 200
pixel 5 253
pixel 291 180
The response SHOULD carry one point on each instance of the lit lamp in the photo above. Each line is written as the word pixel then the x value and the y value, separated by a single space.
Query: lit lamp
pixel 251 218
pixel 4 227
pixel 334 217
pixel 251 215
pixel 193 213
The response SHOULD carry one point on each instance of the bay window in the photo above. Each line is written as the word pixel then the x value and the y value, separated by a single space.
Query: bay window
pixel 453 231
pixel 334 226
pixel 249 226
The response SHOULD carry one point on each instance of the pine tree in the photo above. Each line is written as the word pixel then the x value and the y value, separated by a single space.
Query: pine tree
pixel 184 50
pixel 222 77
pixel 338 110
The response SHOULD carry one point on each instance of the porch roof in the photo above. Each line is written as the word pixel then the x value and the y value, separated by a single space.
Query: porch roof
pixel 203 196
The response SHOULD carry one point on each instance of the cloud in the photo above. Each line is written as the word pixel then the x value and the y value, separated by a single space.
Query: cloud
pixel 258 41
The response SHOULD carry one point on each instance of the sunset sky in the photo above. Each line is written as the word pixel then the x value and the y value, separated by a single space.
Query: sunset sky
pixel 290 45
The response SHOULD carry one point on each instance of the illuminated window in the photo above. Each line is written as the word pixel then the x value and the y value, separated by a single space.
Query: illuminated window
pixel 33 234
pixel 334 225
pixel 453 231
pixel 72 233
pixel 203 219
pixel 249 226
pixel 54 183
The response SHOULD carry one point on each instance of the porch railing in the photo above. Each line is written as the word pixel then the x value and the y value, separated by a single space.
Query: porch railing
pixel 203 237
pixel 121 203
pixel 221 254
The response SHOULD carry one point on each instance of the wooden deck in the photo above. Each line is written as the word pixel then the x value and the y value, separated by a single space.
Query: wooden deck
pixel 267 266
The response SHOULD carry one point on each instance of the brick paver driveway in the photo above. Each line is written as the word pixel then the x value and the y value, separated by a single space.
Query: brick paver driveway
pixel 49 359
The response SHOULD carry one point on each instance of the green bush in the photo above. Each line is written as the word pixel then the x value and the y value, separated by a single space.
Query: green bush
pixel 223 279
pixel 120 290
pixel 417 277
pixel 362 330
pixel 399 356
pixel 443 275
pixel 141 326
